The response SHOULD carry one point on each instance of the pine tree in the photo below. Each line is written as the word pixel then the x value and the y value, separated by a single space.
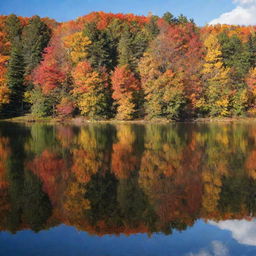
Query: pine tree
pixel 125 52
pixel 15 77
pixel 152 27
pixel 15 69
pixel 236 56
pixel 35 38
pixel 168 17
pixel 13 28
pixel 101 52
pixel 131 48
pixel 251 44
pixel 183 19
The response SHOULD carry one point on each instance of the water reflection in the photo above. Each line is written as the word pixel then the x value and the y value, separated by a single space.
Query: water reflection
pixel 128 179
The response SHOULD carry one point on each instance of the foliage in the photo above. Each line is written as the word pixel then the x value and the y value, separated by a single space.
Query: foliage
pixel 125 178
pixel 217 92
pixel 91 91
pixel 101 50
pixel 35 37
pixel 15 79
pixel 48 74
pixel 77 45
pixel 125 87
pixel 13 28
pixel 184 71
pixel 4 90
pixel 41 105
pixel 65 107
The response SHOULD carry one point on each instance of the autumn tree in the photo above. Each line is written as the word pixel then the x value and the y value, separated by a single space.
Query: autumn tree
pixel 77 46
pixel 4 57
pixel 216 79
pixel 125 92
pixel 91 90
pixel 177 49
pixel 52 77
pixel 164 92
pixel 251 83
pixel 65 107
pixel 4 90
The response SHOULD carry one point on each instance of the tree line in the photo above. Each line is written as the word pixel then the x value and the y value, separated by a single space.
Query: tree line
pixel 104 66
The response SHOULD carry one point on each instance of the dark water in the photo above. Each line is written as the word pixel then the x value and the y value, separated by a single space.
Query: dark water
pixel 182 189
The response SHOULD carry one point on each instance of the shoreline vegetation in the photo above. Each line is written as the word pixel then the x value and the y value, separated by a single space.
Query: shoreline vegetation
pixel 105 66
pixel 82 120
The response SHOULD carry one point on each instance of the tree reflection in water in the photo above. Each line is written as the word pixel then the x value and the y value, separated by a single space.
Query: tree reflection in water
pixel 126 178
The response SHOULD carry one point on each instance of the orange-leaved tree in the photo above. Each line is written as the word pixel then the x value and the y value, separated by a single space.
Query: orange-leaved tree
pixel 125 92
pixel 251 83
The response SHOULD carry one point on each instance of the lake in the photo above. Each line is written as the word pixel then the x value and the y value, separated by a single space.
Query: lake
pixel 128 189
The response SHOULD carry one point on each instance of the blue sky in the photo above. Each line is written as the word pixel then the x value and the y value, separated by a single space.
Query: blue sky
pixel 202 11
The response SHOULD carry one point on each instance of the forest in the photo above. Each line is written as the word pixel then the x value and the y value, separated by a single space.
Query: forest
pixel 121 66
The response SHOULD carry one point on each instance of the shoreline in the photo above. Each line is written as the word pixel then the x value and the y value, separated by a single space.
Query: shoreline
pixel 82 120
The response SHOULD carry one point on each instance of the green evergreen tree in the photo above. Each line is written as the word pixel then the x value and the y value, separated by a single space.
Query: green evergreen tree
pixel 131 48
pixel 15 77
pixel 35 38
pixel 235 56
pixel 251 45
pixel 102 51
pixel 183 19
pixel 168 17
pixel 13 28
pixel 125 49
pixel 152 27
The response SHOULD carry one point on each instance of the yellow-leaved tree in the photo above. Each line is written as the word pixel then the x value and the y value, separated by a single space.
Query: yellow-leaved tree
pixel 91 91
pixel 216 80
pixel 164 91
pixel 77 45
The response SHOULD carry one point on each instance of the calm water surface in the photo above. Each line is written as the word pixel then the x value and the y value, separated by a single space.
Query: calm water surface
pixel 103 190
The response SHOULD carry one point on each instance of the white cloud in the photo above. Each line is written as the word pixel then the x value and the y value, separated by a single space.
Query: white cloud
pixel 244 232
pixel 202 252
pixel 217 248
pixel 244 2
pixel 243 14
